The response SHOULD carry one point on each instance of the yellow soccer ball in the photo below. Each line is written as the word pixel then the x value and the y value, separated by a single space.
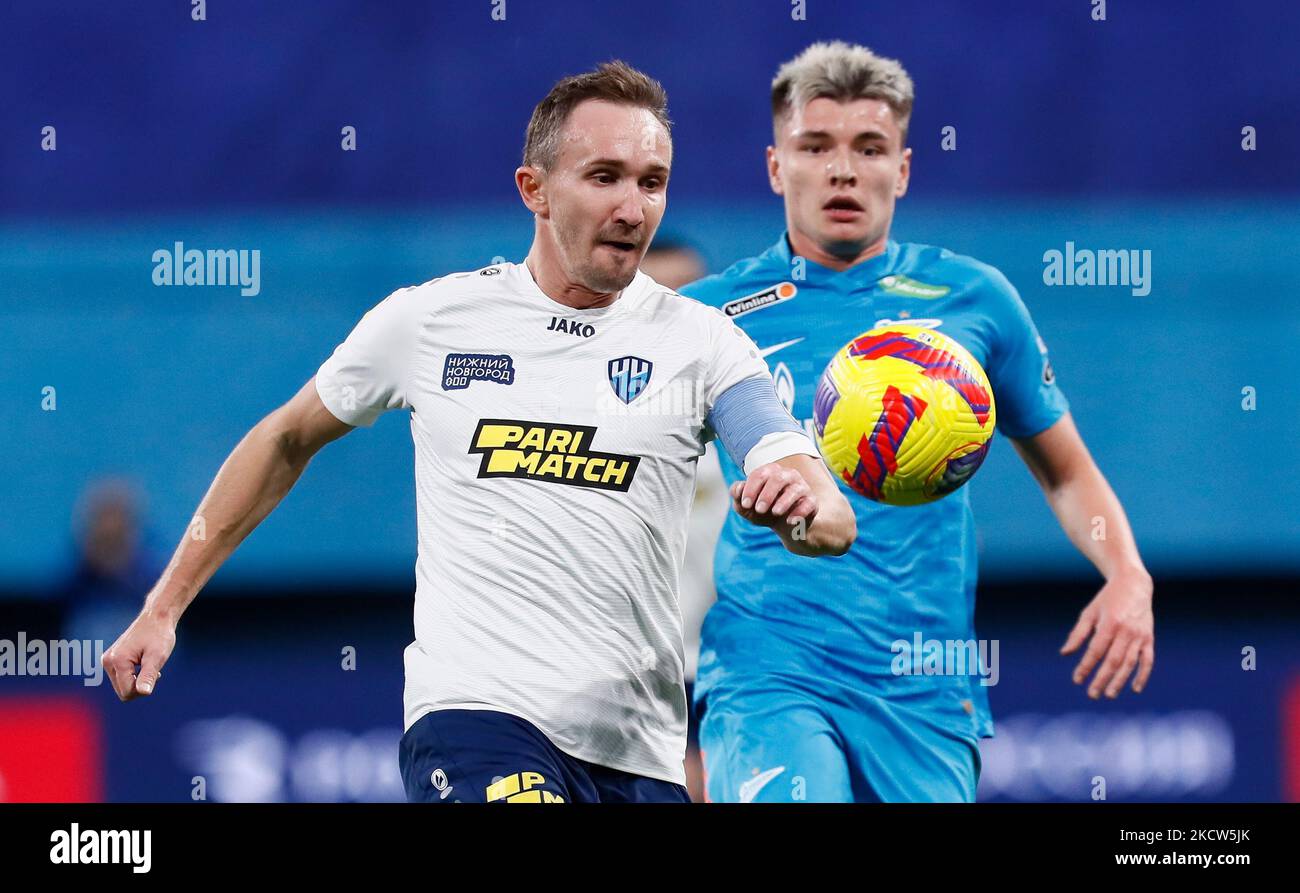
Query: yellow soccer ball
pixel 903 415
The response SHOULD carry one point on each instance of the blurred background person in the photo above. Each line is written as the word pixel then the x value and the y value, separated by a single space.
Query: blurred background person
pixel 114 565
pixel 673 262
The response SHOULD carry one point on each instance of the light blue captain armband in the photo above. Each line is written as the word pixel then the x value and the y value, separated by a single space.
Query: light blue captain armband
pixel 755 427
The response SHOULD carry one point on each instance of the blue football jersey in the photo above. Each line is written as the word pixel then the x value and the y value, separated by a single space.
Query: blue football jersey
pixel 911 573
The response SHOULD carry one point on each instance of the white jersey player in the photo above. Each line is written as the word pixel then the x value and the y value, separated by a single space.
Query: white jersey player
pixel 558 408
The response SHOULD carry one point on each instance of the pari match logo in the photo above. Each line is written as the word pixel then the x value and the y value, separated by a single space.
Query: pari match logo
pixel 548 451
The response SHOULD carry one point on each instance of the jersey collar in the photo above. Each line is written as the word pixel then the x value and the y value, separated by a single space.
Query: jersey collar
pixel 865 272
pixel 524 281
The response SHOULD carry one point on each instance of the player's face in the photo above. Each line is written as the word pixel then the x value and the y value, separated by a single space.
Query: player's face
pixel 607 192
pixel 840 167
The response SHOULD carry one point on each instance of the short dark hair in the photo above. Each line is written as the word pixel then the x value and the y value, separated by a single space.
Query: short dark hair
pixel 614 81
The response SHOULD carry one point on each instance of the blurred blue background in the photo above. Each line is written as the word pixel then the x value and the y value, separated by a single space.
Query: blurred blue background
pixel 1125 133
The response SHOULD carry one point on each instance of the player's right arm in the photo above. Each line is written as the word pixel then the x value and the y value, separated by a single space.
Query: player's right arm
pixel 365 376
pixel 256 475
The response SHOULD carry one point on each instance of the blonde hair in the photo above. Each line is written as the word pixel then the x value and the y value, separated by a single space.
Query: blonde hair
pixel 842 72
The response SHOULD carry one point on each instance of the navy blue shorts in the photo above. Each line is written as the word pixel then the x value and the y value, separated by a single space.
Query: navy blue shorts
pixel 484 756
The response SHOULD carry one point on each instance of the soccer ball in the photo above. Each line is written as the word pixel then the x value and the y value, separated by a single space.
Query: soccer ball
pixel 903 415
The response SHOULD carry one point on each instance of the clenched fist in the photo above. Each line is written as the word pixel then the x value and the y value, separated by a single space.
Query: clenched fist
pixel 147 643
pixel 775 496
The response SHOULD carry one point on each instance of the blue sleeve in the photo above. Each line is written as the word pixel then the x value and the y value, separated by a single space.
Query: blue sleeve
pixel 747 412
pixel 1029 400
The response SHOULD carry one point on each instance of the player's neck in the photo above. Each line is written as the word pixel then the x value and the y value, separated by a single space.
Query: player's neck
pixel 550 278
pixel 803 246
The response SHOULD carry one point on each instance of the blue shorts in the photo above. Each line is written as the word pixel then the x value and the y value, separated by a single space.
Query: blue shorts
pixel 485 756
pixel 777 740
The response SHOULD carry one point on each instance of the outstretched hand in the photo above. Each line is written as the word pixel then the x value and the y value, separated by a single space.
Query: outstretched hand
pixel 1122 626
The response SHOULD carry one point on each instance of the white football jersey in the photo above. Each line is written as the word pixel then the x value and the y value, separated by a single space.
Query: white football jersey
pixel 555 455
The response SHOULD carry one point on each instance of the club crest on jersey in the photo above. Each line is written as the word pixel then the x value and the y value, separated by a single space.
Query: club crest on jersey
pixel 461 369
pixel 551 452
pixel 783 384
pixel 768 297
pixel 629 376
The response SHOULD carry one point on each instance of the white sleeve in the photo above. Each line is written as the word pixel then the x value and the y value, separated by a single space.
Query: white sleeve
pixel 733 358
pixel 760 429
pixel 368 372
pixel 779 445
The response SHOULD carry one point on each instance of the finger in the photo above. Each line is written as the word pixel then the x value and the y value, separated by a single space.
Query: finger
pixel 754 485
pixel 769 493
pixel 1114 658
pixel 119 674
pixel 126 685
pixel 804 510
pixel 1125 669
pixel 1101 639
pixel 805 507
pixel 747 514
pixel 791 495
pixel 1080 632
pixel 106 661
pixel 1147 663
pixel 768 481
pixel 737 494
pixel 150 670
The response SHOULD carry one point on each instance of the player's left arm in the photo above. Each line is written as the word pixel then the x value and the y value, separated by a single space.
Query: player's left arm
pixel 1119 618
pixel 1034 414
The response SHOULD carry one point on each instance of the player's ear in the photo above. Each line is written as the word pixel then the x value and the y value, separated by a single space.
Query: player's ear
pixel 774 171
pixel 904 174
pixel 532 189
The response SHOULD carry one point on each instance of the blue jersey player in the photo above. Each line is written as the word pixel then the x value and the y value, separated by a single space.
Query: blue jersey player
pixel 799 688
